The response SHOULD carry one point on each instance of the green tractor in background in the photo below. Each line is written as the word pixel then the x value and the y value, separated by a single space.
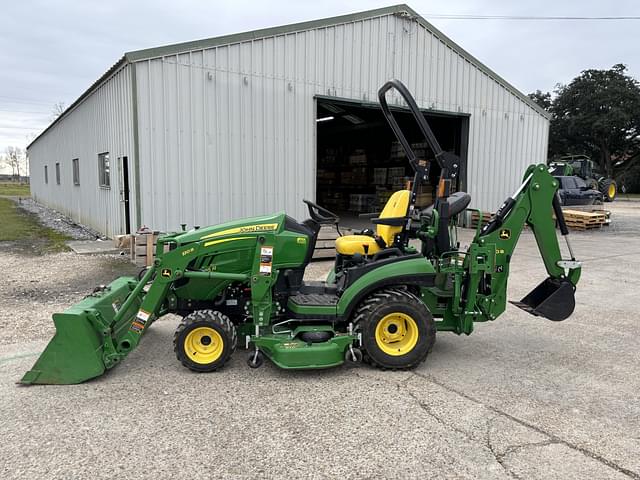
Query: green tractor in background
pixel 582 166
pixel 241 284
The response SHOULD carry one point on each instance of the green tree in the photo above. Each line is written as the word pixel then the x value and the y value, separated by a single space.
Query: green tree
pixel 598 114
pixel 543 99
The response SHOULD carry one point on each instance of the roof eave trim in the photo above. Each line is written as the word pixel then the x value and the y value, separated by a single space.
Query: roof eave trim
pixel 103 78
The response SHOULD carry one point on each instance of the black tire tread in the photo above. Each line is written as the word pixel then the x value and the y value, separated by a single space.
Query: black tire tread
pixel 604 189
pixel 381 297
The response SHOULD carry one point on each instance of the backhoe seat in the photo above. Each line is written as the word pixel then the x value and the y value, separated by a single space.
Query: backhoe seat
pixel 458 201
pixel 396 207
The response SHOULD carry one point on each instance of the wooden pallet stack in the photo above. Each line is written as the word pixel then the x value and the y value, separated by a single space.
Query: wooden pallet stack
pixel 475 217
pixel 326 243
pixel 142 248
pixel 591 209
pixel 579 220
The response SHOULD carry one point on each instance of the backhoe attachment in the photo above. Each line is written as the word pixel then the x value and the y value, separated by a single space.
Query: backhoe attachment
pixel 531 205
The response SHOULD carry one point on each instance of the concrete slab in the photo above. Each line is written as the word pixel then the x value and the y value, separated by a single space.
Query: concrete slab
pixel 86 247
pixel 522 397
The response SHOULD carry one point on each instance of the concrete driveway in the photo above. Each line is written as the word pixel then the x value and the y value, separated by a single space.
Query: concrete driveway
pixel 522 397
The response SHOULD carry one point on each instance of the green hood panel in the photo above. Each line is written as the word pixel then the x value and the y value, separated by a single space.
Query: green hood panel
pixel 254 225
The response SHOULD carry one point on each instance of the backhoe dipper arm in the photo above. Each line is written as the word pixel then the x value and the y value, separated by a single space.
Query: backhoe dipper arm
pixel 490 254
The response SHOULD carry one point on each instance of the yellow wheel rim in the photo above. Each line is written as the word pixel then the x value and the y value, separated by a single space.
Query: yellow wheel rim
pixel 203 345
pixel 612 190
pixel 397 334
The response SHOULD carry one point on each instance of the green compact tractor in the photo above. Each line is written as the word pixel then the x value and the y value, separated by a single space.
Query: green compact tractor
pixel 241 283
pixel 583 167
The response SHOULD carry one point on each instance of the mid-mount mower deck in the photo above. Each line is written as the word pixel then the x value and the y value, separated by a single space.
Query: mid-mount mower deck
pixel 241 283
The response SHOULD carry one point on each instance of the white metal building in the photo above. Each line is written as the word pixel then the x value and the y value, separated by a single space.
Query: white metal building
pixel 206 131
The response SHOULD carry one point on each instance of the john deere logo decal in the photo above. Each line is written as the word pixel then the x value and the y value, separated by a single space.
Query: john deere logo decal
pixel 505 234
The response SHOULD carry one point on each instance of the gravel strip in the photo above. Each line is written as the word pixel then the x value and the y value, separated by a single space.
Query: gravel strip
pixel 58 221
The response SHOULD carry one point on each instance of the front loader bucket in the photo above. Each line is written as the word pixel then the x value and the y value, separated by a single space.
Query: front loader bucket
pixel 553 299
pixel 85 335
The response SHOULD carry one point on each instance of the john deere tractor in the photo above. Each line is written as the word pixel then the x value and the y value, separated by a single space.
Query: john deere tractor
pixel 582 166
pixel 241 284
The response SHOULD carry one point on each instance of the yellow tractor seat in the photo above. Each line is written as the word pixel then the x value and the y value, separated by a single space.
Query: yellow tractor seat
pixel 396 208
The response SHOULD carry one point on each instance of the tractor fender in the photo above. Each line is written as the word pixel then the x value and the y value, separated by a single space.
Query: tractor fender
pixel 415 271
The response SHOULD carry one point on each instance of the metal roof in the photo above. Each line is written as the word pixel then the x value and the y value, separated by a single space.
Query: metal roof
pixel 400 9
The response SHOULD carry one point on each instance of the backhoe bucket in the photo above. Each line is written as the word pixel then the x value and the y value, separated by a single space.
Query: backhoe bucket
pixel 553 299
pixel 85 336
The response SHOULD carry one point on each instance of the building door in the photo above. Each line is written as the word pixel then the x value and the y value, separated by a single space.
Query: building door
pixel 123 167
pixel 360 163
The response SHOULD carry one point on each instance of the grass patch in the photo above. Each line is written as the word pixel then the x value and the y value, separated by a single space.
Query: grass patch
pixel 15 189
pixel 23 228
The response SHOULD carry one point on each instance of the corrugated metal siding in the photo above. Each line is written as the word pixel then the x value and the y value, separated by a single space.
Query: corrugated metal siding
pixel 103 122
pixel 229 131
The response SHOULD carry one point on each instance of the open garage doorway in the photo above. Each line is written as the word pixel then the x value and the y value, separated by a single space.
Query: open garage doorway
pixel 360 163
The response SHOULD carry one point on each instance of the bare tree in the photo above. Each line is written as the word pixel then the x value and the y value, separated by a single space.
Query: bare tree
pixel 15 158
pixel 4 161
pixel 58 109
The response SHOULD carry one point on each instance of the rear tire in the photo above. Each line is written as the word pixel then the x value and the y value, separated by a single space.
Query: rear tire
pixel 609 189
pixel 397 329
pixel 204 340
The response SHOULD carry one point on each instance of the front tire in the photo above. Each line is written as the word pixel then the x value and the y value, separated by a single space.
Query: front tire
pixel 204 340
pixel 398 331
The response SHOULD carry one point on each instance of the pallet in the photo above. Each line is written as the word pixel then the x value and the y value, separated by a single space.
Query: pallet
pixel 590 209
pixel 486 218
pixel 326 243
pixel 579 220
pixel 142 248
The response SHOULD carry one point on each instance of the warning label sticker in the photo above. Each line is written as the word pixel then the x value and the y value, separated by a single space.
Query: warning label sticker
pixel 140 321
pixel 265 268
pixel 136 327
pixel 266 260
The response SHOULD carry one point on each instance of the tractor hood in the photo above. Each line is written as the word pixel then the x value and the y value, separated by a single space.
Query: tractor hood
pixel 253 225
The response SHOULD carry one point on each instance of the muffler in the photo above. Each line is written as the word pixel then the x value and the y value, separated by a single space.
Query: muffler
pixel 554 299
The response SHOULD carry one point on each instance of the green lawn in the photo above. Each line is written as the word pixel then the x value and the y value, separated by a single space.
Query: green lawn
pixel 23 228
pixel 15 189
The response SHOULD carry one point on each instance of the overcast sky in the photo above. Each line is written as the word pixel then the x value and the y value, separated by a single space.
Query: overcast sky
pixel 52 51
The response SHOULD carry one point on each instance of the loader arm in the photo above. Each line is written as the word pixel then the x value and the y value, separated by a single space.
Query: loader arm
pixel 487 262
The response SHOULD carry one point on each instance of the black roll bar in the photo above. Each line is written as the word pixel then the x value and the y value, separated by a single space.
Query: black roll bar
pixel 448 162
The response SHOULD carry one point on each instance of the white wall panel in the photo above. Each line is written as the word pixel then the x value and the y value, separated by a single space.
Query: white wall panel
pixel 102 122
pixel 239 120
pixel 229 131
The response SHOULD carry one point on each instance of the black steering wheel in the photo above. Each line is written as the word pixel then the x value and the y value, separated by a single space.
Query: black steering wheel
pixel 320 214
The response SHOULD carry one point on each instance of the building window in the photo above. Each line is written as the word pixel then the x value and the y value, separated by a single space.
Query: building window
pixel 46 174
pixel 76 171
pixel 104 170
pixel 58 173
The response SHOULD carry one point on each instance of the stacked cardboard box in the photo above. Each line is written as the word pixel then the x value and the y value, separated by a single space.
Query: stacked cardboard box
pixel 379 176
pixel 362 202
pixel 395 176
pixel 358 157
pixel 396 151
pixel 383 196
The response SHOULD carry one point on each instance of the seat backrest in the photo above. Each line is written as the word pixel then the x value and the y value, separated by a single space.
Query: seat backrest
pixel 396 206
